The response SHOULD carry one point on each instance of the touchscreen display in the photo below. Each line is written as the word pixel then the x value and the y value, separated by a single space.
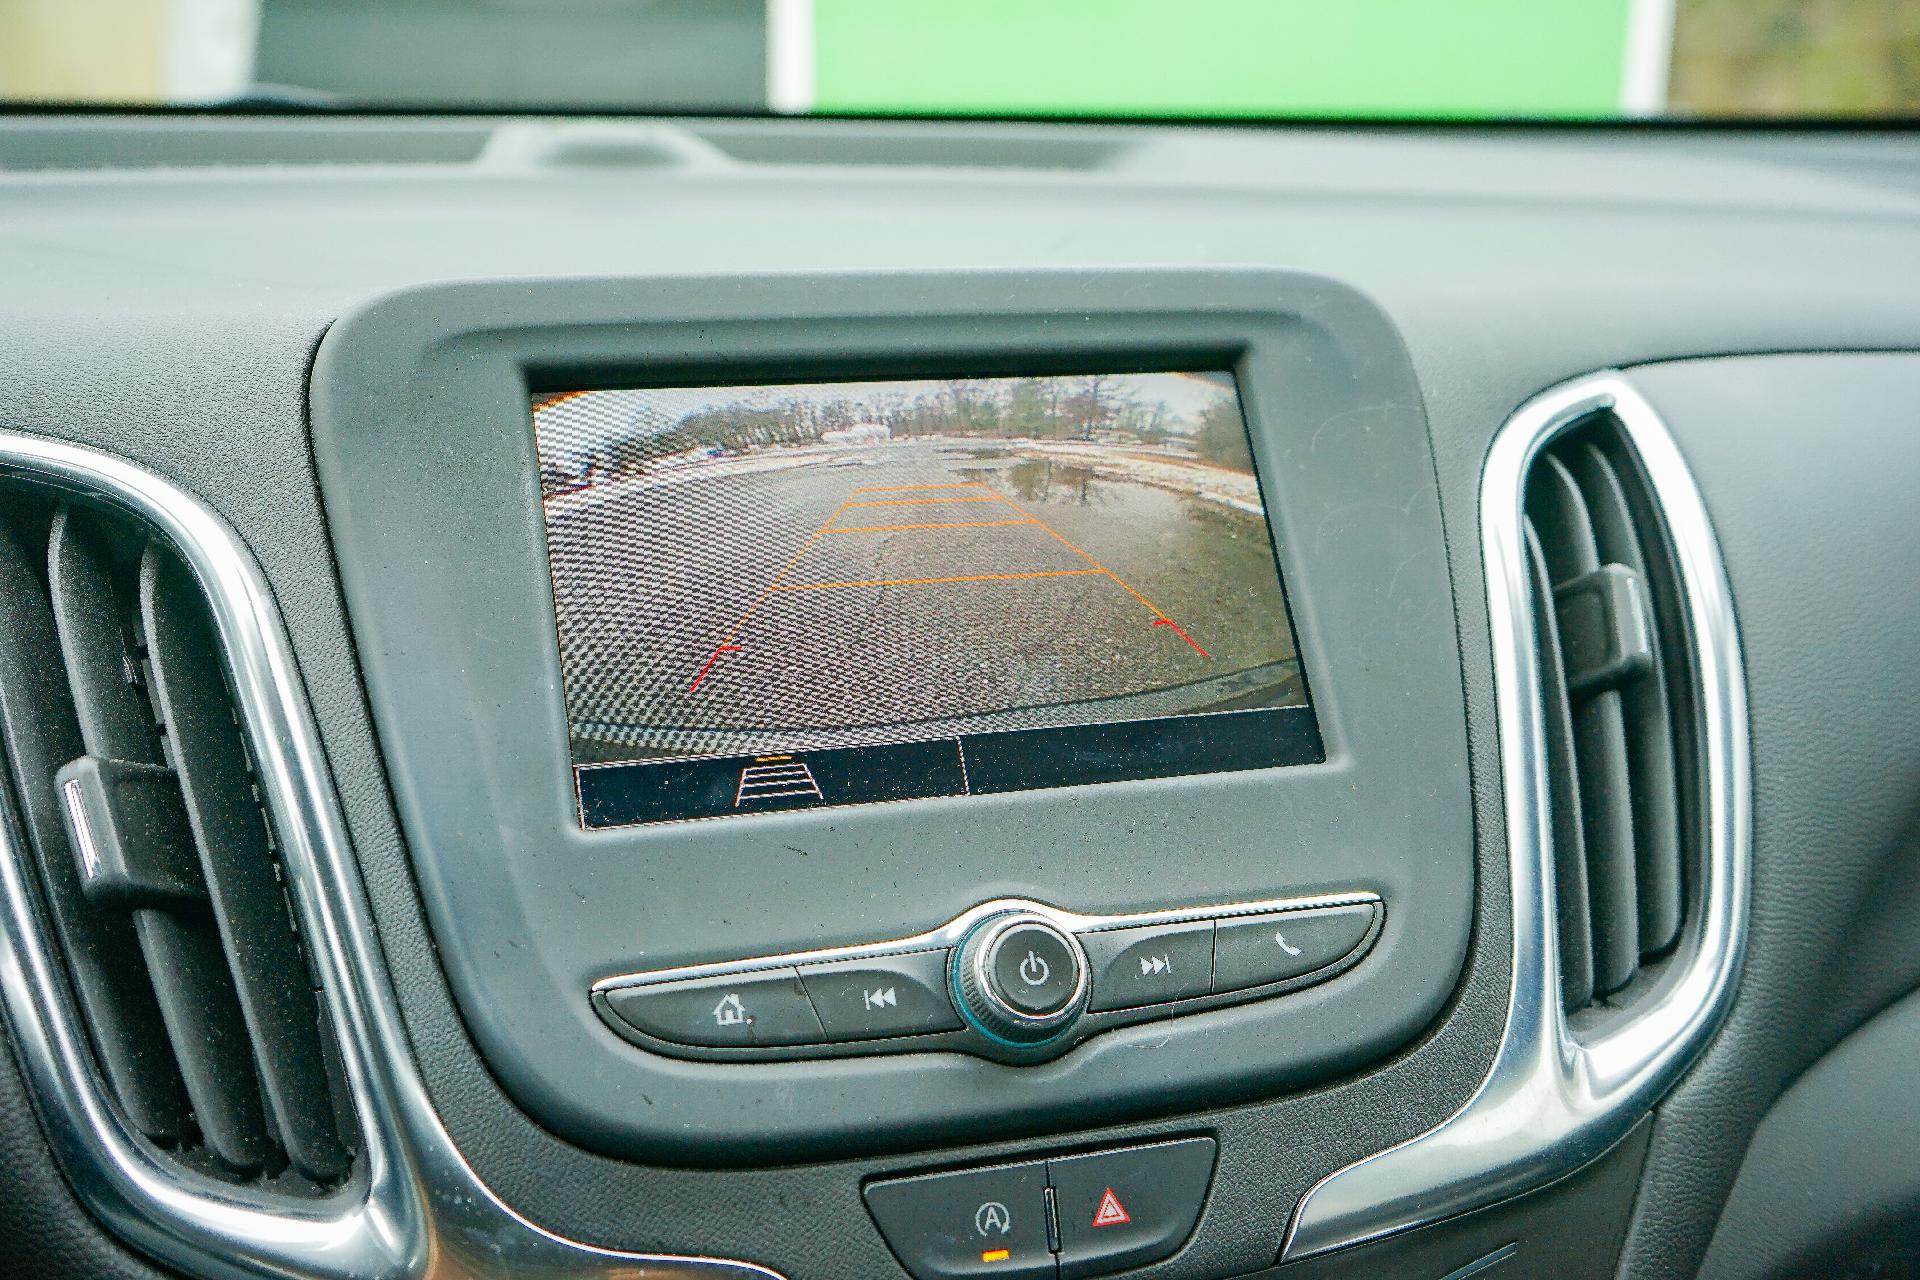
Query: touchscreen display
pixel 778 597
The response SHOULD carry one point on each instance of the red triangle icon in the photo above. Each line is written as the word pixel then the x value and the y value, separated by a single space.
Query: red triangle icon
pixel 1111 1212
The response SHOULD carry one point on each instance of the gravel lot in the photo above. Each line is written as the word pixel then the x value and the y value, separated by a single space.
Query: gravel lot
pixel 843 640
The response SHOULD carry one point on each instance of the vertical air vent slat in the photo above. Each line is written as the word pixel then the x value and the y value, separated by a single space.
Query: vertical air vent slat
pixel 1570 884
pixel 1565 528
pixel 1609 646
pixel 1650 742
pixel 183 957
pixel 40 734
pixel 275 992
pixel 115 721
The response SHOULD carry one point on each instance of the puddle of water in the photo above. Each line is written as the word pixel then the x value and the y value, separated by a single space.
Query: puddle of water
pixel 1042 480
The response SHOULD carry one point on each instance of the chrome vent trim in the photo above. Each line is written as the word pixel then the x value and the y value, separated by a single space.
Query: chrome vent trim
pixel 415 1207
pixel 1553 1099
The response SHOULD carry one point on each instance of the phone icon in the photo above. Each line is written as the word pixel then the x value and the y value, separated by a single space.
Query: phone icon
pixel 1281 938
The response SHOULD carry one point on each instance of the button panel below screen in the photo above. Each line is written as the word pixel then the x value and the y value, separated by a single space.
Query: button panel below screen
pixel 1133 968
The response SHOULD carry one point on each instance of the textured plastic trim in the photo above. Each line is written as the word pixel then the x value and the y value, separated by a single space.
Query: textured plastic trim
pixel 414 1206
pixel 1554 1098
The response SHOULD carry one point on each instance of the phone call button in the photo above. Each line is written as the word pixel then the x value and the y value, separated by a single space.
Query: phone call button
pixel 1251 951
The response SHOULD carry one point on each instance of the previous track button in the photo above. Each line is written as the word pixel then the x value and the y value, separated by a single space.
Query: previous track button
pixel 885 996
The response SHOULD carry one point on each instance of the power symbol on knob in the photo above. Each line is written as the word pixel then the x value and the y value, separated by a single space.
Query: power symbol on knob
pixel 1034 971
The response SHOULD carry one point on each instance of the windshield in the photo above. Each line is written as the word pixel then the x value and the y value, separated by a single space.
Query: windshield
pixel 1224 59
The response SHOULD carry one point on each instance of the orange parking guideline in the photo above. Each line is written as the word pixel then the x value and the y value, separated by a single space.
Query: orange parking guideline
pixel 768 590
pixel 926 502
pixel 957 524
pixel 1027 517
pixel 910 488
pixel 917 582
pixel 1124 585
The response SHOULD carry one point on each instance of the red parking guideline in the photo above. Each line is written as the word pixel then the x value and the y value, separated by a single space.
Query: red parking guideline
pixel 711 659
pixel 1181 632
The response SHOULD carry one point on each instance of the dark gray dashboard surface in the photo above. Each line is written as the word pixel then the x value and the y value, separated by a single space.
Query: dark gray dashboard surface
pixel 169 315
pixel 1810 465
pixel 1794 1207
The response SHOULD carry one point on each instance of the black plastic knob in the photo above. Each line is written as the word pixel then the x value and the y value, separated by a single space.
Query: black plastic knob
pixel 1019 978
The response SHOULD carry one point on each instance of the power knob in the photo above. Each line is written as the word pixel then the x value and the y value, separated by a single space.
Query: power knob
pixel 1018 978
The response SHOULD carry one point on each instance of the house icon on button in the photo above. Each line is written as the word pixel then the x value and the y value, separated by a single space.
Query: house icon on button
pixel 730 1012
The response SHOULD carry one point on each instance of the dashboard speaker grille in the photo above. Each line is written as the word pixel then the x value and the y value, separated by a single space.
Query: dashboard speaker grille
pixel 1614 680
pixel 130 777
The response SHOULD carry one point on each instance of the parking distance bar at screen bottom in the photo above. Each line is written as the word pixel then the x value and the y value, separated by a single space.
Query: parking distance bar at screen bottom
pixel 619 795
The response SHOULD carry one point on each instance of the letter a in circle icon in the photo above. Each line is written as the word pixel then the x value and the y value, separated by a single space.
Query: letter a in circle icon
pixel 1110 1213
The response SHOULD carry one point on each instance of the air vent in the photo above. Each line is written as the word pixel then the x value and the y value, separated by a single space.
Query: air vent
pixel 1613 679
pixel 131 780
pixel 1624 762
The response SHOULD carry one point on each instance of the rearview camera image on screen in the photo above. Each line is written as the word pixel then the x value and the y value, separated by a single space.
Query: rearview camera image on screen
pixel 776 597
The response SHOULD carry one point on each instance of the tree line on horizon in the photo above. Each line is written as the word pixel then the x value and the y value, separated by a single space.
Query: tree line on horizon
pixel 1089 407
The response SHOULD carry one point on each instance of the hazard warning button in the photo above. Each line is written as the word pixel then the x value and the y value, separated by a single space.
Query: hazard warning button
pixel 1126 1208
pixel 1111 1212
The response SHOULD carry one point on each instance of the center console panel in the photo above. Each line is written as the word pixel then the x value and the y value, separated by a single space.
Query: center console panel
pixel 787 983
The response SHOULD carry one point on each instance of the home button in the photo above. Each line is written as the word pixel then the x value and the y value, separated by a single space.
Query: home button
pixel 768 1007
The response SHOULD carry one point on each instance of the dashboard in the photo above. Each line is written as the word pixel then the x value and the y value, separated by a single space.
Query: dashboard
pixel 707 698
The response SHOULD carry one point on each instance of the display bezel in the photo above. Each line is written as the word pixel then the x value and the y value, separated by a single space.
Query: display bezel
pixel 426 460
pixel 618 793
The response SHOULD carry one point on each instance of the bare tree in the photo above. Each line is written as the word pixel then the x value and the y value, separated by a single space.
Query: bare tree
pixel 1222 436
pixel 1091 403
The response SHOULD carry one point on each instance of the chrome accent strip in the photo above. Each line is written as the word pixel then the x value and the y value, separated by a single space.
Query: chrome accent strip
pixel 415 1207
pixel 952 933
pixel 81 828
pixel 1554 1099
